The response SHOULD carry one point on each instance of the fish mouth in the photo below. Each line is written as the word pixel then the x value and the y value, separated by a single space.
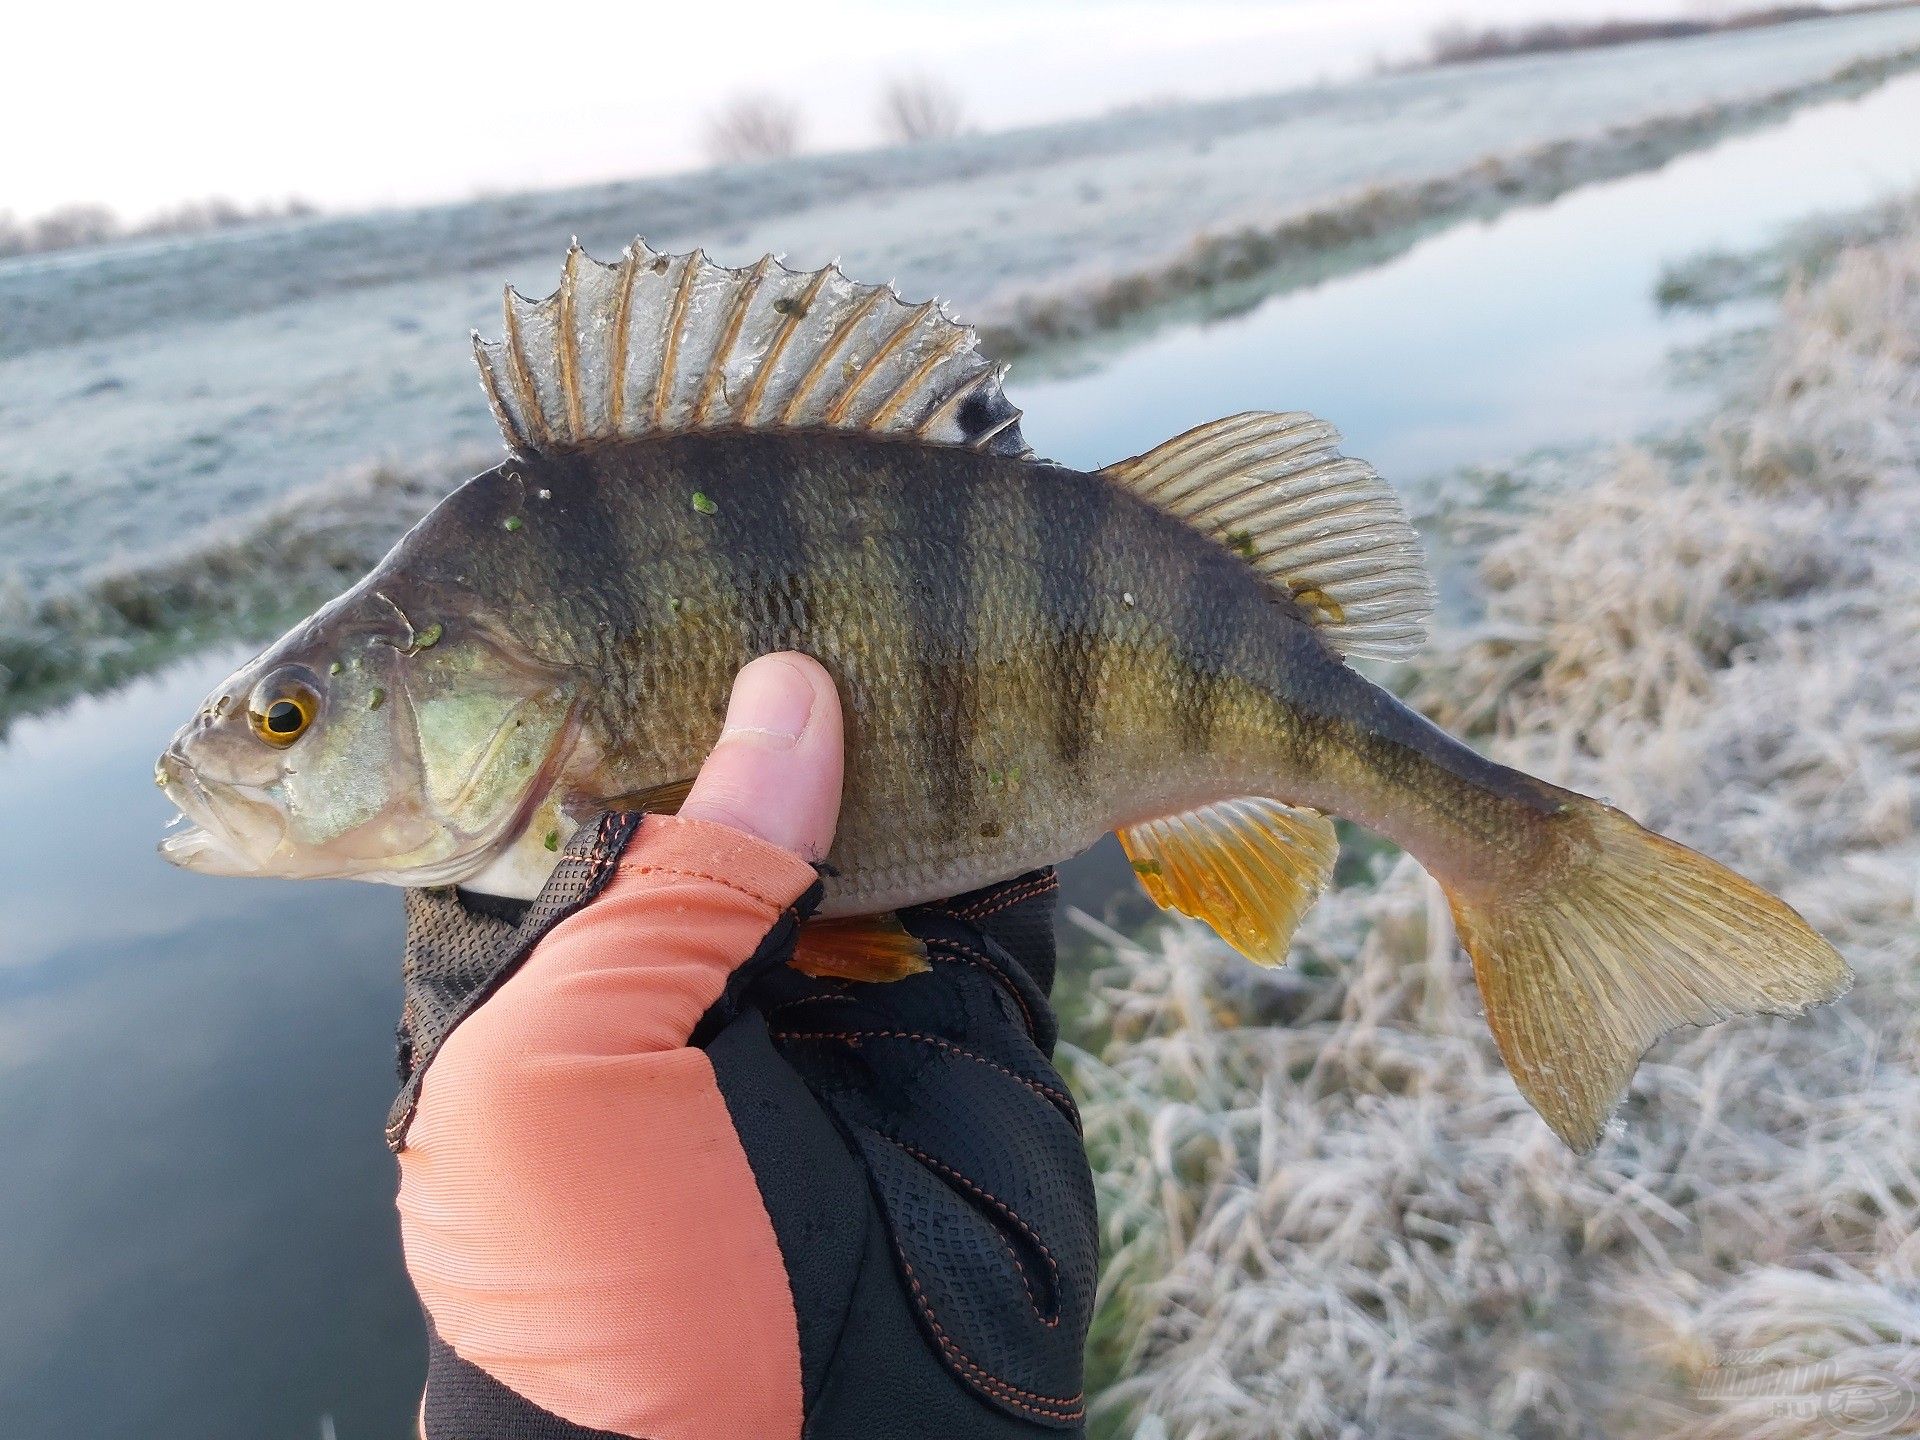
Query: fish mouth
pixel 206 844
pixel 198 849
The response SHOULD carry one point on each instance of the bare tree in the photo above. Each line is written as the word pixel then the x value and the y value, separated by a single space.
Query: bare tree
pixel 74 225
pixel 193 216
pixel 919 107
pixel 753 127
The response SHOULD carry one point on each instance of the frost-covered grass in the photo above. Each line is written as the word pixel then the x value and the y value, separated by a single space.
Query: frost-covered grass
pixel 1327 1211
pixel 1715 278
pixel 185 430
pixel 146 391
pixel 1362 225
pixel 226 582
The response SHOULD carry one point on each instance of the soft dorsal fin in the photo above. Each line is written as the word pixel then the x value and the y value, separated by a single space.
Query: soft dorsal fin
pixel 1322 526
pixel 1251 868
pixel 663 344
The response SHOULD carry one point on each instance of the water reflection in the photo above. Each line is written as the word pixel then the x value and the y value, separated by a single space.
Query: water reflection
pixel 1491 339
pixel 196 1234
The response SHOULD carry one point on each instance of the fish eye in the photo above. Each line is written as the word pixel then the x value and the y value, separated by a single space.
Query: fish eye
pixel 282 708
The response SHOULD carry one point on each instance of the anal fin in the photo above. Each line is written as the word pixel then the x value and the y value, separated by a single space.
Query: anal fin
pixel 1251 868
pixel 873 948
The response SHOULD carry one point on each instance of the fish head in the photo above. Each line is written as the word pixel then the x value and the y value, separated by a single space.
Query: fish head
pixel 371 743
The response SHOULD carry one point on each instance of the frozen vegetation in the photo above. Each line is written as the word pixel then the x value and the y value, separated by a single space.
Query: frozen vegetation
pixel 1327 1211
pixel 244 580
pixel 1716 278
pixel 1457 43
pixel 164 400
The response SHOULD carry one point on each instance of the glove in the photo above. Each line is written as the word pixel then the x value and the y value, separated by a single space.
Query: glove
pixel 655 1182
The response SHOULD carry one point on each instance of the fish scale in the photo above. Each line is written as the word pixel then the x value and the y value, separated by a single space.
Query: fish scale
pixel 706 465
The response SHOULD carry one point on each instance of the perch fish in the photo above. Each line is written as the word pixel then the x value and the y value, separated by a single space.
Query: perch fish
pixel 706 464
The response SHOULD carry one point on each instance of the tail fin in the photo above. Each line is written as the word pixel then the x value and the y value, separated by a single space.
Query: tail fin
pixel 1627 937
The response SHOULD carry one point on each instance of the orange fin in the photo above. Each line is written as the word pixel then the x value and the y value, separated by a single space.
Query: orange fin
pixel 1250 868
pixel 1628 936
pixel 875 948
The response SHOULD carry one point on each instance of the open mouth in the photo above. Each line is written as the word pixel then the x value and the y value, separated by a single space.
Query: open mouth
pixel 199 844
pixel 197 848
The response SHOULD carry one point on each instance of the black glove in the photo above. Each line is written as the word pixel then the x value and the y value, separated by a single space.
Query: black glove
pixel 918 1156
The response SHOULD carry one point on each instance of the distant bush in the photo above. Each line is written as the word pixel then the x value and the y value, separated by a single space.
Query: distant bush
pixel 196 216
pixel 1456 43
pixel 753 127
pixel 72 226
pixel 920 107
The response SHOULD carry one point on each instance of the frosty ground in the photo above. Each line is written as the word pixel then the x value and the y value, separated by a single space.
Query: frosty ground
pixel 152 391
pixel 1327 1211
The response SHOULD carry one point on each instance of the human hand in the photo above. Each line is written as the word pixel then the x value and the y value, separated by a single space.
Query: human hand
pixel 656 1182
pixel 578 1216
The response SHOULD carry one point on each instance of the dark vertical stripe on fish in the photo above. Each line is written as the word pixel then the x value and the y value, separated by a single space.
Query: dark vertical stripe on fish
pixel 748 529
pixel 1075 516
pixel 1110 656
pixel 572 495
pixel 1196 655
pixel 939 608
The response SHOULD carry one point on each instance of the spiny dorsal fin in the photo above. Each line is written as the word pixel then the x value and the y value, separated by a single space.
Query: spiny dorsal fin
pixel 1251 868
pixel 663 344
pixel 1322 526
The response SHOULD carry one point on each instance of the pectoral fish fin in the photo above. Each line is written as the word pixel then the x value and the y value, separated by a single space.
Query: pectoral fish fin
pixel 665 344
pixel 1251 868
pixel 1320 526
pixel 1626 936
pixel 874 948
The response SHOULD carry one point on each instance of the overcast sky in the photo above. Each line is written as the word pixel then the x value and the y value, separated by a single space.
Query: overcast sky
pixel 351 103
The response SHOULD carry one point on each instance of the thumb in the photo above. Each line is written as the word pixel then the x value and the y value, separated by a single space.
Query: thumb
pixel 775 771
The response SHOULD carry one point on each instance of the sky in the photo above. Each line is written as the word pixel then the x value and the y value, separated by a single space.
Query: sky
pixel 359 103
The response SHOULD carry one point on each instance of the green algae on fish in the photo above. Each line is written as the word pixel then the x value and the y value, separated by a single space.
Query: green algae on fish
pixel 732 462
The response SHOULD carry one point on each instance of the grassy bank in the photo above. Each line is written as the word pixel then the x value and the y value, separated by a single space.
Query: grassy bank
pixel 151 389
pixel 1716 278
pixel 1328 1213
pixel 1221 270
pixel 1457 43
pixel 243 582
